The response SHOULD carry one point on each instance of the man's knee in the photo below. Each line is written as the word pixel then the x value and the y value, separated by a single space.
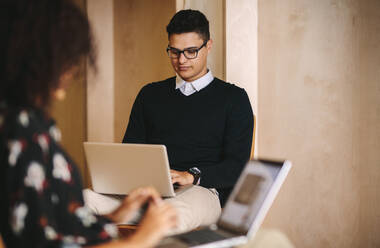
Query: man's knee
pixel 99 203
pixel 196 207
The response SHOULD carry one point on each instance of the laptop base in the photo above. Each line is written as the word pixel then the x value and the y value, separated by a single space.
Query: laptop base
pixel 203 238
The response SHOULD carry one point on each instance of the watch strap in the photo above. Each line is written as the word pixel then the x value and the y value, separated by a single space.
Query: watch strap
pixel 196 174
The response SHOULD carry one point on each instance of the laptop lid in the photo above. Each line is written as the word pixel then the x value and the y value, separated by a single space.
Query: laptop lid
pixel 253 195
pixel 117 168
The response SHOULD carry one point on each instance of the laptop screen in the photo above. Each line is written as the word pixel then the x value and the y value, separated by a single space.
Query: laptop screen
pixel 249 194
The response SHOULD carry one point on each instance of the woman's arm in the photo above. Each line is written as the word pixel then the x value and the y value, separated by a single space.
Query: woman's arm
pixel 159 218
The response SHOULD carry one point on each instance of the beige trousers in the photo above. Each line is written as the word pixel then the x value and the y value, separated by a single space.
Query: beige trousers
pixel 197 206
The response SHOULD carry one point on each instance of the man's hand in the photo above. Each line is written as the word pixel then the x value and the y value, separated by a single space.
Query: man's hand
pixel 131 203
pixel 181 177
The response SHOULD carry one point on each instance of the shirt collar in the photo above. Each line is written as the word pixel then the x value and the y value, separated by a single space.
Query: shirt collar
pixel 198 84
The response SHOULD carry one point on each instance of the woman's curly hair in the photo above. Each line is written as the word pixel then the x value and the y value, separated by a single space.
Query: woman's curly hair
pixel 39 41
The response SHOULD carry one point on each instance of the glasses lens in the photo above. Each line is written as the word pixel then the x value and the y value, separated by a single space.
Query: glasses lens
pixel 191 53
pixel 173 53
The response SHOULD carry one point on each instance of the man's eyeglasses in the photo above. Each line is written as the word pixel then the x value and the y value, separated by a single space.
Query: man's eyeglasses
pixel 190 53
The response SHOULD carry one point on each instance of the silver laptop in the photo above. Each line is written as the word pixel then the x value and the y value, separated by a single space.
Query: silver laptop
pixel 118 168
pixel 244 211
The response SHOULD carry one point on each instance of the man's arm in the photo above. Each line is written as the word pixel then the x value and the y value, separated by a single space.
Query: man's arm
pixel 136 132
pixel 237 142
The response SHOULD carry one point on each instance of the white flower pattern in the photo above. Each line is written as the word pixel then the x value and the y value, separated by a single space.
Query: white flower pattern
pixel 81 240
pixel 50 233
pixel 73 241
pixel 18 217
pixel 43 141
pixel 24 118
pixel 61 168
pixel 39 161
pixel 35 176
pixel 55 133
pixel 86 216
pixel 111 229
pixel 15 148
pixel 69 239
pixel 70 245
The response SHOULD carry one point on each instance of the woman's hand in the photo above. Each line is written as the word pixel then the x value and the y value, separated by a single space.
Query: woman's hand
pixel 134 201
pixel 157 221
pixel 159 218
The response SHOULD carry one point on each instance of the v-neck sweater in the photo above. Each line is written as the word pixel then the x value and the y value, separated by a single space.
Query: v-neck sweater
pixel 210 129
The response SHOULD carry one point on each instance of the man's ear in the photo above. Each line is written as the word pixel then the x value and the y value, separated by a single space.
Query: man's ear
pixel 209 45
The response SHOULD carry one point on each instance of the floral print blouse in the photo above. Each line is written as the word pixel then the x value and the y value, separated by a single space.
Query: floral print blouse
pixel 41 191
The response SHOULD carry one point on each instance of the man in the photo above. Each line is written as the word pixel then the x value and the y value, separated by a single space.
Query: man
pixel 205 123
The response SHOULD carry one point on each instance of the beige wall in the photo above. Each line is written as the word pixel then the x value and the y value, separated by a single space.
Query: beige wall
pixel 241 29
pixel 140 42
pixel 319 106
pixel 100 89
pixel 241 45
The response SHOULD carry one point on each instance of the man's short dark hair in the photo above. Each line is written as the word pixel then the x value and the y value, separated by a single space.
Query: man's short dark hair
pixel 189 20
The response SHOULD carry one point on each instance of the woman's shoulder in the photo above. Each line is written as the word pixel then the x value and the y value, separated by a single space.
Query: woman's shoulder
pixel 23 123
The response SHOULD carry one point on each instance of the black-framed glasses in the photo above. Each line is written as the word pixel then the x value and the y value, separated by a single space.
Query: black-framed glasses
pixel 189 53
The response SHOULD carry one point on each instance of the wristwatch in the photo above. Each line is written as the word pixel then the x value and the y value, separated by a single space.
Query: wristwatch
pixel 196 174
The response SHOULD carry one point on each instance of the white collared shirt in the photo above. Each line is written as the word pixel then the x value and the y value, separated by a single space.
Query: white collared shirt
pixel 188 88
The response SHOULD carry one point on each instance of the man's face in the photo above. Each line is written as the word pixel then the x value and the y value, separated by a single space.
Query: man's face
pixel 189 69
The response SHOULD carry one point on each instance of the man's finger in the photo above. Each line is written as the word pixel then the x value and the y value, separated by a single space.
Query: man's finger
pixel 174 173
pixel 175 180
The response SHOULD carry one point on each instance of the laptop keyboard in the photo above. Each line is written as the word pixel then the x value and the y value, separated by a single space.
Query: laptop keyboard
pixel 201 237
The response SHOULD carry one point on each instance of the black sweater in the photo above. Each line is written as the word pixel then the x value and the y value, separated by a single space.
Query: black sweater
pixel 210 129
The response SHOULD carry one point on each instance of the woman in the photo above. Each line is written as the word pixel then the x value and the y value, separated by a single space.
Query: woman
pixel 41 44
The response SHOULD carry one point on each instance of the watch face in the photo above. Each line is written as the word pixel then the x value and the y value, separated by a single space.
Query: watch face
pixel 195 171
